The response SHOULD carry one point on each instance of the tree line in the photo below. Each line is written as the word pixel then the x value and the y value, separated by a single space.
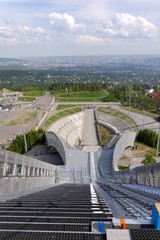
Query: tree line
pixel 133 94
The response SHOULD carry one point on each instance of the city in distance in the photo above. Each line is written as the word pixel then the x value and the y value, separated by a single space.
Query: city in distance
pixel 143 69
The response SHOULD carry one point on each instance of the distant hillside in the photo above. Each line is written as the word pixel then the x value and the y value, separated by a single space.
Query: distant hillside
pixel 9 60
pixel 12 63
pixel 4 90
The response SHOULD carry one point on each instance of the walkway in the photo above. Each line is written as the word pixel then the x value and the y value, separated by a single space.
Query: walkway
pixel 89 131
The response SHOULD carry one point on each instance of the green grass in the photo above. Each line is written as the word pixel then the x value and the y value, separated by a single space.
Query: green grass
pixel 86 96
pixel 143 149
pixel 82 94
pixel 34 93
pixel 148 114
pixel 60 115
pixel 28 117
pixel 26 99
pixel 116 113
pixel 122 167
pixel 105 134
pixel 65 106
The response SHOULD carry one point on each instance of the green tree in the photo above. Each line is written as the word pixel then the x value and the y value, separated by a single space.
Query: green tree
pixel 149 159
pixel 148 137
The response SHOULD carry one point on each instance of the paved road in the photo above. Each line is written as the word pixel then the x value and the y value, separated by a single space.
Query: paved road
pixel 89 131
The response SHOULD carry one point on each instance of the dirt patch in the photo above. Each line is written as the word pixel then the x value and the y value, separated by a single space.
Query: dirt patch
pixel 134 157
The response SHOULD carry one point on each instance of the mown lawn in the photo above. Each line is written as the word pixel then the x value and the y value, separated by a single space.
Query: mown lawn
pixel 28 117
pixel 65 106
pixel 34 93
pixel 105 134
pixel 87 96
pixel 26 99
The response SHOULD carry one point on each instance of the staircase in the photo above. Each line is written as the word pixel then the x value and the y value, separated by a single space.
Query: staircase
pixel 63 211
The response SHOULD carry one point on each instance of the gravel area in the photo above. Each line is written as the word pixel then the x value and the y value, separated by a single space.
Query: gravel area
pixel 128 158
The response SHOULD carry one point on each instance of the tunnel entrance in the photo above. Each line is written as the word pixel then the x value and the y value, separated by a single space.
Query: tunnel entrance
pixel 46 154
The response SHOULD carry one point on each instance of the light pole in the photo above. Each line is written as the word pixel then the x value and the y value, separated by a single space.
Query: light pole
pixel 129 107
pixel 23 130
pixel 144 113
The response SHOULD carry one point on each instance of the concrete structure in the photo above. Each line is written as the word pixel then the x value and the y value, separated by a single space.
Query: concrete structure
pixel 108 158
pixel 88 187
pixel 55 141
pixel 145 175
pixel 68 128
pixel 20 173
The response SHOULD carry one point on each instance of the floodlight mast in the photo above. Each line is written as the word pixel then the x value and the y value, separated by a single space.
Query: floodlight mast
pixel 23 130
pixel 129 105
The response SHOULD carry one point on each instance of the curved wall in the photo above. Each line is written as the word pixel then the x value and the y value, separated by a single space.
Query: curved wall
pixel 52 139
pixel 127 139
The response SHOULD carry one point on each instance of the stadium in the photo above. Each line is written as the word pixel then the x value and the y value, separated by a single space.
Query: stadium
pixel 87 197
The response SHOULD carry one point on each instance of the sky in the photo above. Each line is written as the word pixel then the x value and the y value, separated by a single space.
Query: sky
pixel 79 27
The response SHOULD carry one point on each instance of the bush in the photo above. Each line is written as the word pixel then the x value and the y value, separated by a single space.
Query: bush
pixel 149 159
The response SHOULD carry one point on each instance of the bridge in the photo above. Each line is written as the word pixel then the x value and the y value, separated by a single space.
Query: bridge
pixel 87 197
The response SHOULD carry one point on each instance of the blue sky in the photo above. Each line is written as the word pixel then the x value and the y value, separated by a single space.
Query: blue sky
pixel 79 27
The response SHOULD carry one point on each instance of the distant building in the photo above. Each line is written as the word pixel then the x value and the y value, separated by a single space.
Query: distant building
pixel 154 95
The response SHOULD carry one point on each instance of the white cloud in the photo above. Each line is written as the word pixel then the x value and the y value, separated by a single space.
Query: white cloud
pixel 128 26
pixel 86 39
pixel 12 33
pixel 64 22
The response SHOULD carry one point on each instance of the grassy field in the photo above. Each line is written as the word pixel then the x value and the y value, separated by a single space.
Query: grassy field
pixel 122 167
pixel 34 93
pixel 80 96
pixel 148 114
pixel 60 115
pixel 143 149
pixel 118 114
pixel 65 106
pixel 26 99
pixel 28 117
pixel 105 134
